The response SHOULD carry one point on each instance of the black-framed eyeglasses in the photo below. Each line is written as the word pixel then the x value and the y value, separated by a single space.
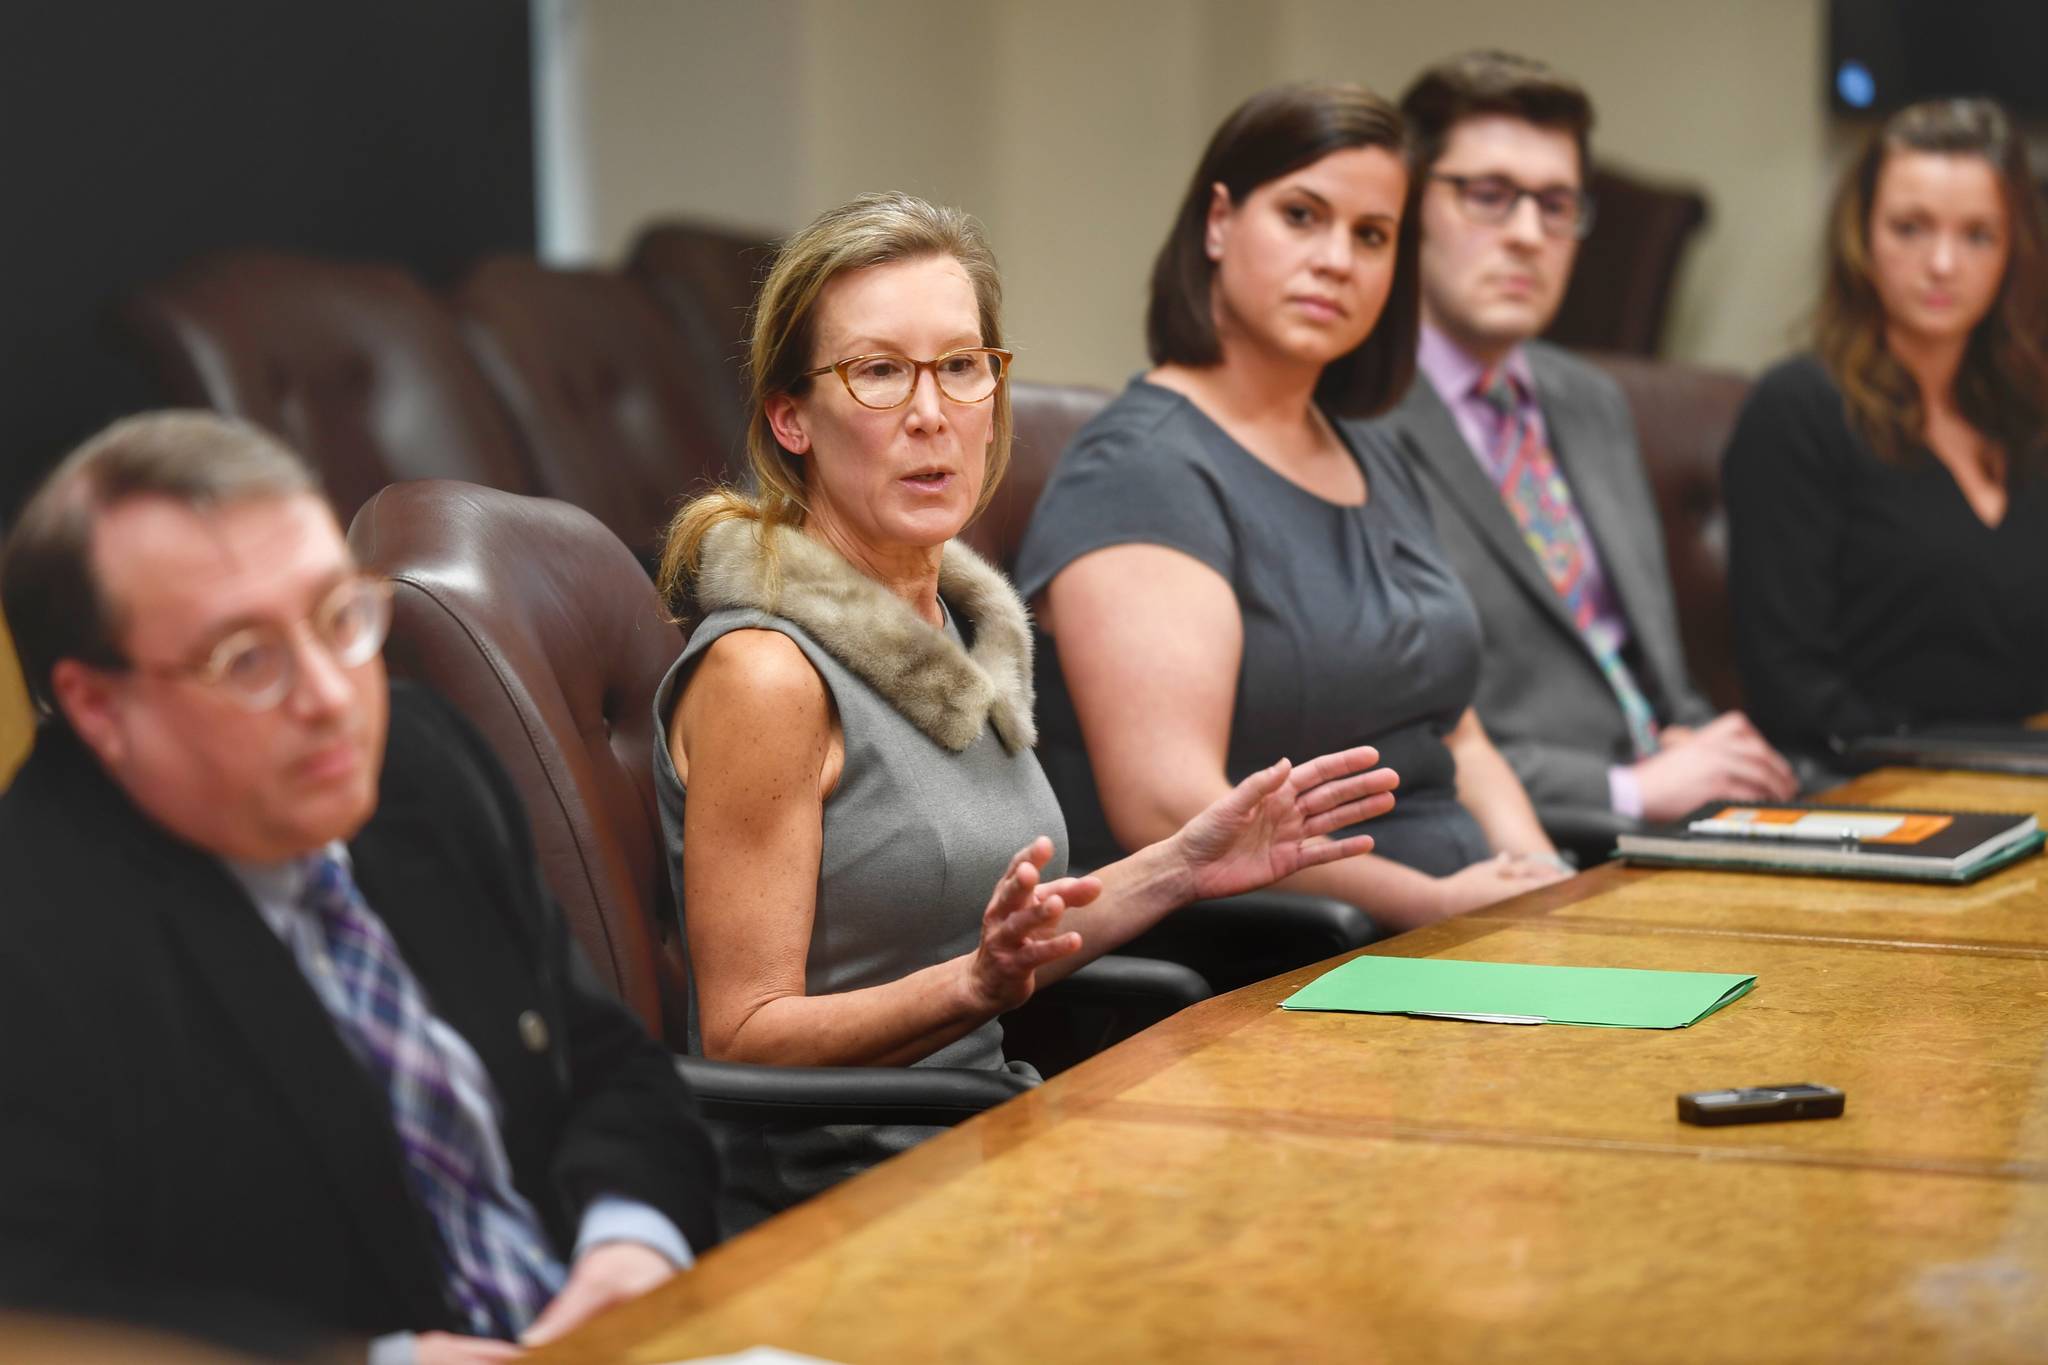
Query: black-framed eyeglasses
pixel 1562 210
pixel 886 380
pixel 258 666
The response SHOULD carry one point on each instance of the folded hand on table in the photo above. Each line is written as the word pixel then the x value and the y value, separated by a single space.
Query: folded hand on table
pixel 607 1274
pixel 446 1348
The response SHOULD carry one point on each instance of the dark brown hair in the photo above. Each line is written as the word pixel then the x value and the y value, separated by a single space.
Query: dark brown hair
pixel 51 600
pixel 2002 387
pixel 1271 134
pixel 1479 83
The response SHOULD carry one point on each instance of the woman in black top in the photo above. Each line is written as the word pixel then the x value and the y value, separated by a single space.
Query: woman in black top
pixel 1888 518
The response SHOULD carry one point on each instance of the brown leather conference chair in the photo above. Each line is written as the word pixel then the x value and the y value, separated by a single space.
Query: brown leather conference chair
pixel 705 278
pixel 601 387
pixel 1684 414
pixel 543 630
pixel 355 365
pixel 1621 286
pixel 1045 418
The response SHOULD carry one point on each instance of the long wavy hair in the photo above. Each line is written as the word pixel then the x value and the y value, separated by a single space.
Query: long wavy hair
pixel 874 229
pixel 2001 388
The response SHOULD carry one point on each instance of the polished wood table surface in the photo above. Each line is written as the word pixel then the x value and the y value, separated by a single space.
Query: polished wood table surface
pixel 1242 1183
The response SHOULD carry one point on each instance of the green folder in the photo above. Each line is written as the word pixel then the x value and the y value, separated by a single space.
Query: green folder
pixel 1520 993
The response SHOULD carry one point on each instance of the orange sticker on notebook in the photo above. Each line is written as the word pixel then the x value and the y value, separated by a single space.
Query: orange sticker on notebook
pixel 1911 829
pixel 1915 828
pixel 1761 815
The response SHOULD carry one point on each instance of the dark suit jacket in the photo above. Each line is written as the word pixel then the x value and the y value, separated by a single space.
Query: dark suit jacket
pixel 1542 696
pixel 182 1124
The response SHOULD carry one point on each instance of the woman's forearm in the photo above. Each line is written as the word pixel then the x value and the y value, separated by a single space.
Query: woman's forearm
pixel 1137 892
pixel 1396 896
pixel 1489 789
pixel 895 1024
pixel 1504 813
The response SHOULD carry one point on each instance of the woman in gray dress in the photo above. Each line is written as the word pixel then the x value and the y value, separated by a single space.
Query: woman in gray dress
pixel 868 860
pixel 1229 571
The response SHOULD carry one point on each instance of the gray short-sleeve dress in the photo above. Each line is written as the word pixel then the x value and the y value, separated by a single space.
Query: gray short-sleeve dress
pixel 1356 628
pixel 930 807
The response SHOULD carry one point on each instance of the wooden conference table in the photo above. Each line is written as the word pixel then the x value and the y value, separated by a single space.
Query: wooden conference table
pixel 1241 1183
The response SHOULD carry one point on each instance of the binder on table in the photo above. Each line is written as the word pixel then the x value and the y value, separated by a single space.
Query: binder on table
pixel 1839 841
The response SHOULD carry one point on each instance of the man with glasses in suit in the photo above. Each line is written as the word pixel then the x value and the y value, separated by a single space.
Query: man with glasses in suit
pixel 1535 481
pixel 291 1033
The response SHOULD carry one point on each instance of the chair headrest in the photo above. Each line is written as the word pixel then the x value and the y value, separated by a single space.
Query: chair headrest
pixel 542 628
pixel 355 365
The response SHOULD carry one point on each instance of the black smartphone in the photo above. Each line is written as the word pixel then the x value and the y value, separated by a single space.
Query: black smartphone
pixel 1761 1104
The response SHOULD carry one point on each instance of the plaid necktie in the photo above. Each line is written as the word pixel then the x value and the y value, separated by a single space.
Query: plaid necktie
pixel 498 1270
pixel 1541 503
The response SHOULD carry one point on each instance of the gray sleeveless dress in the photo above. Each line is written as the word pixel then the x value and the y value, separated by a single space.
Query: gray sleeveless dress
pixel 915 838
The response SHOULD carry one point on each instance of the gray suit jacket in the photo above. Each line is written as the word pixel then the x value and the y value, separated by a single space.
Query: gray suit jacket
pixel 1541 694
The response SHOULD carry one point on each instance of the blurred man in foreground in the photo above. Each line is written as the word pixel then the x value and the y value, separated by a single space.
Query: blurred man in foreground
pixel 290 1030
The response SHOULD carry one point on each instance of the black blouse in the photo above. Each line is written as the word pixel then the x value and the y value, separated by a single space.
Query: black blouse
pixel 1867 595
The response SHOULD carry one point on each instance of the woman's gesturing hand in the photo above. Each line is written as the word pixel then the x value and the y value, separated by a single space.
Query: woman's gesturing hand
pixel 1020 930
pixel 1278 821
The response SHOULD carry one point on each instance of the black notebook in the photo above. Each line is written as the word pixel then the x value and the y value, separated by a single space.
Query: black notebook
pixel 1986 748
pixel 1839 841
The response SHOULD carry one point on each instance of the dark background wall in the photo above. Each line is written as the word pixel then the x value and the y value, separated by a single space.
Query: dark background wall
pixel 135 134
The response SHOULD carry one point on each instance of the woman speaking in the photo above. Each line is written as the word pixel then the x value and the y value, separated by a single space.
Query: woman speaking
pixel 867 858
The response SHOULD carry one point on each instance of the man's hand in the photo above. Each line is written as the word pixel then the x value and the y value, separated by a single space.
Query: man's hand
pixel 605 1275
pixel 445 1348
pixel 1724 758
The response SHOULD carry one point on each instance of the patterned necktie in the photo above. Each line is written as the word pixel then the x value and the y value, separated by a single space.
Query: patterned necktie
pixel 1541 503
pixel 495 1260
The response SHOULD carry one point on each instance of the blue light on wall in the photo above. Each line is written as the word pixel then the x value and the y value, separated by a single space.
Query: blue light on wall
pixel 1853 82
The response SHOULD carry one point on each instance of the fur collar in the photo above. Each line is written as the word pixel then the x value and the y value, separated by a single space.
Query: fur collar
pixel 942 689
